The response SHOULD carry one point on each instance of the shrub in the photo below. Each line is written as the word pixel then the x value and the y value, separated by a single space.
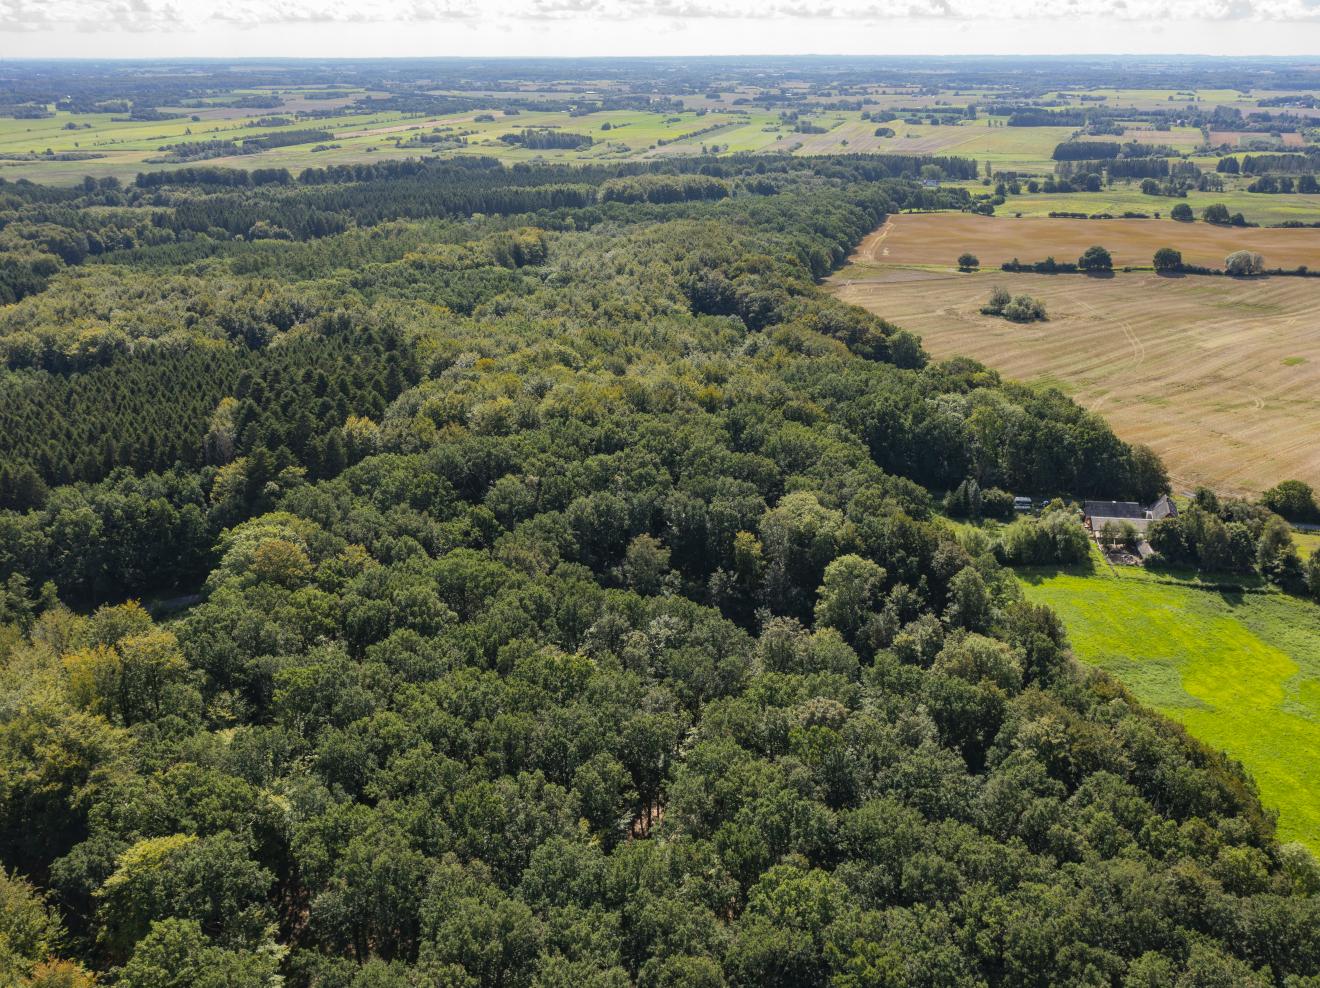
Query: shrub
pixel 1056 537
pixel 1020 308
pixel 1216 213
pixel 1119 535
pixel 999 300
pixel 1096 258
pixel 1182 213
pixel 1244 263
pixel 1047 266
pixel 1277 557
pixel 965 501
pixel 1168 259
pixel 996 503
pixel 1024 308
pixel 1292 499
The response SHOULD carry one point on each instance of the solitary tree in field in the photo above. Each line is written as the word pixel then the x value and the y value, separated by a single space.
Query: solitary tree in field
pixel 968 262
pixel 1168 259
pixel 1096 259
pixel 999 299
pixel 1244 263
pixel 1024 308
pixel 1182 213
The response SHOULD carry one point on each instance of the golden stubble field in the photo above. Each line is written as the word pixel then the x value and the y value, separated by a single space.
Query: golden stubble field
pixel 1220 376
pixel 938 238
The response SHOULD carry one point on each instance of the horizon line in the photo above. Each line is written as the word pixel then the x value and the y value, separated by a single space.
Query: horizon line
pixel 624 58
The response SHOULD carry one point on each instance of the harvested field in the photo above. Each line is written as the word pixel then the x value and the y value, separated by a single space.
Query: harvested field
pixel 1182 138
pixel 1235 137
pixel 1127 197
pixel 1220 376
pixel 938 238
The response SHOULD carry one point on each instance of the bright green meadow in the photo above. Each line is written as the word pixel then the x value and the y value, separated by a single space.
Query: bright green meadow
pixel 1240 670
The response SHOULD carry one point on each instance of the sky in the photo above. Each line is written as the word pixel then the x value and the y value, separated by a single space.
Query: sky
pixel 373 28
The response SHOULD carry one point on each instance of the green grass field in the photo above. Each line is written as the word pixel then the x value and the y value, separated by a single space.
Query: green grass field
pixel 1240 670
pixel 1307 543
pixel 31 149
pixel 123 146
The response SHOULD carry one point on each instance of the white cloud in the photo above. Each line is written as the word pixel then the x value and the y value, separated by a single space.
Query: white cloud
pixel 346 28
pixel 259 12
pixel 554 10
pixel 88 15
pixel 148 15
pixel 960 10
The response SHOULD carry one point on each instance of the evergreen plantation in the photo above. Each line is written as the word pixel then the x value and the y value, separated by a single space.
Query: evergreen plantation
pixel 573 608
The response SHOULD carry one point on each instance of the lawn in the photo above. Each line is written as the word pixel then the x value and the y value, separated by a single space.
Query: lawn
pixel 1240 671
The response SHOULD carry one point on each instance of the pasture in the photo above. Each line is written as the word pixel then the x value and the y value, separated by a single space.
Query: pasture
pixel 1220 376
pixel 122 147
pixel 735 119
pixel 1241 671
pixel 1006 148
pixel 1234 138
pixel 1184 139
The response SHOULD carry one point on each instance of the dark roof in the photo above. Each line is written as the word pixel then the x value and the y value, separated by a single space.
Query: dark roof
pixel 1114 509
pixel 1163 508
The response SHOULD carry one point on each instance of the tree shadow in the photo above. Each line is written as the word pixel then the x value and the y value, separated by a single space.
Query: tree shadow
pixel 1232 596
pixel 1037 574
pixel 1231 588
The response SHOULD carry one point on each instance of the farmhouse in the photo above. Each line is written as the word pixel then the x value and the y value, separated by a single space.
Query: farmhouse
pixel 1097 513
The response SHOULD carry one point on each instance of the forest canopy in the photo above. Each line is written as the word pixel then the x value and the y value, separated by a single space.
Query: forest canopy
pixel 551 592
